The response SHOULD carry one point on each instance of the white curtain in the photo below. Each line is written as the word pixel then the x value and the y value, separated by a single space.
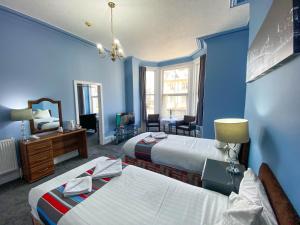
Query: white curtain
pixel 194 88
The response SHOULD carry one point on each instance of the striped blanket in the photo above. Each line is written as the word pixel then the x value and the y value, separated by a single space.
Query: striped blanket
pixel 52 206
pixel 143 150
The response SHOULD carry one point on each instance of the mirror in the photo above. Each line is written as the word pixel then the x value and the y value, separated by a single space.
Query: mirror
pixel 89 107
pixel 46 115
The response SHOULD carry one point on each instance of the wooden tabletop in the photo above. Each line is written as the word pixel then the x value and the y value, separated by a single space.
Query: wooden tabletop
pixel 51 135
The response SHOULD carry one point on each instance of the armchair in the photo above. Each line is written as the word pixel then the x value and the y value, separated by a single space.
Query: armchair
pixel 153 121
pixel 187 124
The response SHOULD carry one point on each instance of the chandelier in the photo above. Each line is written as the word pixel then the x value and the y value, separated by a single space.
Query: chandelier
pixel 116 51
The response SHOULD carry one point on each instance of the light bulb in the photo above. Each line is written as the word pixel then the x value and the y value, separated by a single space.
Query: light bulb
pixel 121 52
pixel 99 46
pixel 116 42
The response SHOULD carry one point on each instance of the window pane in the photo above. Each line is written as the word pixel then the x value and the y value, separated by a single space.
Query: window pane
pixel 149 82
pixel 234 3
pixel 150 104
pixel 177 104
pixel 95 106
pixel 176 81
pixel 94 90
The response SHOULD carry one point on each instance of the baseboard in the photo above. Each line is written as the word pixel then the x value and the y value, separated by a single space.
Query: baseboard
pixel 109 139
pixel 5 178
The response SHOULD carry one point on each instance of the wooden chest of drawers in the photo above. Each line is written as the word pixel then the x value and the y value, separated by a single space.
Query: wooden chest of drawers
pixel 37 156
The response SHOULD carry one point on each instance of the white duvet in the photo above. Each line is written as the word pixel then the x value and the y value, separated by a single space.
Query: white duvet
pixel 180 152
pixel 139 197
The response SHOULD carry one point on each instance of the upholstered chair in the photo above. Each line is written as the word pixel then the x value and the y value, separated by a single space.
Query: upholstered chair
pixel 187 124
pixel 153 121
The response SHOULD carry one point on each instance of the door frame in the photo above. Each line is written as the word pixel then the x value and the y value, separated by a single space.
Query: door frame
pixel 101 110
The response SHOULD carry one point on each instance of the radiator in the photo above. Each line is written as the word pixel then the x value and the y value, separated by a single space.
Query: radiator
pixel 8 156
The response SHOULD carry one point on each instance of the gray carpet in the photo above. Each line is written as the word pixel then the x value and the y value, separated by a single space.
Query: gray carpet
pixel 14 207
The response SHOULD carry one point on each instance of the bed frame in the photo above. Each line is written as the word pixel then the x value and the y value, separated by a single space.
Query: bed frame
pixel 282 207
pixel 187 177
pixel 184 176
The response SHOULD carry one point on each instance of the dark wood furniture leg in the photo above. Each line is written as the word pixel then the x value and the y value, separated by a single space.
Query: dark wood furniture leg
pixel 83 150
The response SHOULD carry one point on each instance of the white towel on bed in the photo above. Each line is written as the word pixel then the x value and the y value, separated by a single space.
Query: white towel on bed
pixel 159 135
pixel 107 168
pixel 149 140
pixel 78 186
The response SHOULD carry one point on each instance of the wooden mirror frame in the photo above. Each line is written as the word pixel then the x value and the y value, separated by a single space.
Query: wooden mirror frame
pixel 32 102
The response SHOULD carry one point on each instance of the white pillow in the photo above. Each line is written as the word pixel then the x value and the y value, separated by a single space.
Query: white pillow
pixel 252 189
pixel 42 114
pixel 241 211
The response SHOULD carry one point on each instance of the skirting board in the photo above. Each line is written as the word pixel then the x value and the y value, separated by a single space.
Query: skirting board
pixel 109 139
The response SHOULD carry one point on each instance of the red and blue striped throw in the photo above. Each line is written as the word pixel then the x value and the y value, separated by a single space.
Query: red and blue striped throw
pixel 53 205
pixel 143 150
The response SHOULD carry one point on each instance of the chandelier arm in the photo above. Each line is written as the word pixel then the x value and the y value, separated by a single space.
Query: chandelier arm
pixel 111 22
pixel 116 51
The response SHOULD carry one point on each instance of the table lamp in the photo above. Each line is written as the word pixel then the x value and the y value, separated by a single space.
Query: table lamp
pixel 235 131
pixel 21 115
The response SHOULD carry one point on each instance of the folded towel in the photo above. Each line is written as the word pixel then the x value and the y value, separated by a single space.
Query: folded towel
pixel 149 140
pixel 107 168
pixel 159 135
pixel 78 186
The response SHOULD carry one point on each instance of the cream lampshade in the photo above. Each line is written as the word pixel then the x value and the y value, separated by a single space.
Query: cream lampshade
pixel 232 130
pixel 21 115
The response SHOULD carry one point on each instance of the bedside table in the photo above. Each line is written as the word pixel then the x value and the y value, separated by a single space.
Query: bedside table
pixel 216 178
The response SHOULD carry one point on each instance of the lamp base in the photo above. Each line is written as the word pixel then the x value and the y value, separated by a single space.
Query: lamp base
pixel 232 169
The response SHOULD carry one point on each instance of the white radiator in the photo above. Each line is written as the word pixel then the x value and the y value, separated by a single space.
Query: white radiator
pixel 8 156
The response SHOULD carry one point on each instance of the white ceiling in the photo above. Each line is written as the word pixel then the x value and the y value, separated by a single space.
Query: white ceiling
pixel 152 30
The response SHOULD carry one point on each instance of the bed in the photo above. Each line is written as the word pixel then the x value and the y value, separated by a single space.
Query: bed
pixel 179 157
pixel 46 123
pixel 141 197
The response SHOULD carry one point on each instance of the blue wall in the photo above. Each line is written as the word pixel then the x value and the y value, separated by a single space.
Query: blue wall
pixel 39 61
pixel 224 87
pixel 128 84
pixel 132 91
pixel 273 109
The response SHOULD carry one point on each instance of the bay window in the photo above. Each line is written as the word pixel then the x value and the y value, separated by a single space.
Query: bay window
pixel 172 90
pixel 175 85
pixel 150 91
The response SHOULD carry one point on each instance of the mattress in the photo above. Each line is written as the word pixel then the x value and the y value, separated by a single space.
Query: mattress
pixel 180 152
pixel 138 197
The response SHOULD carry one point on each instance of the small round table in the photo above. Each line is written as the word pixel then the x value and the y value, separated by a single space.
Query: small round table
pixel 169 122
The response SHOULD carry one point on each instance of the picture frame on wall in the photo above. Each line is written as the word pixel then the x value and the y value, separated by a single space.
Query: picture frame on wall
pixel 277 41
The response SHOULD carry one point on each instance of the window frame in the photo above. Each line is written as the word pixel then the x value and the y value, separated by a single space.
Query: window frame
pixel 156 88
pixel 189 66
pixel 91 99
